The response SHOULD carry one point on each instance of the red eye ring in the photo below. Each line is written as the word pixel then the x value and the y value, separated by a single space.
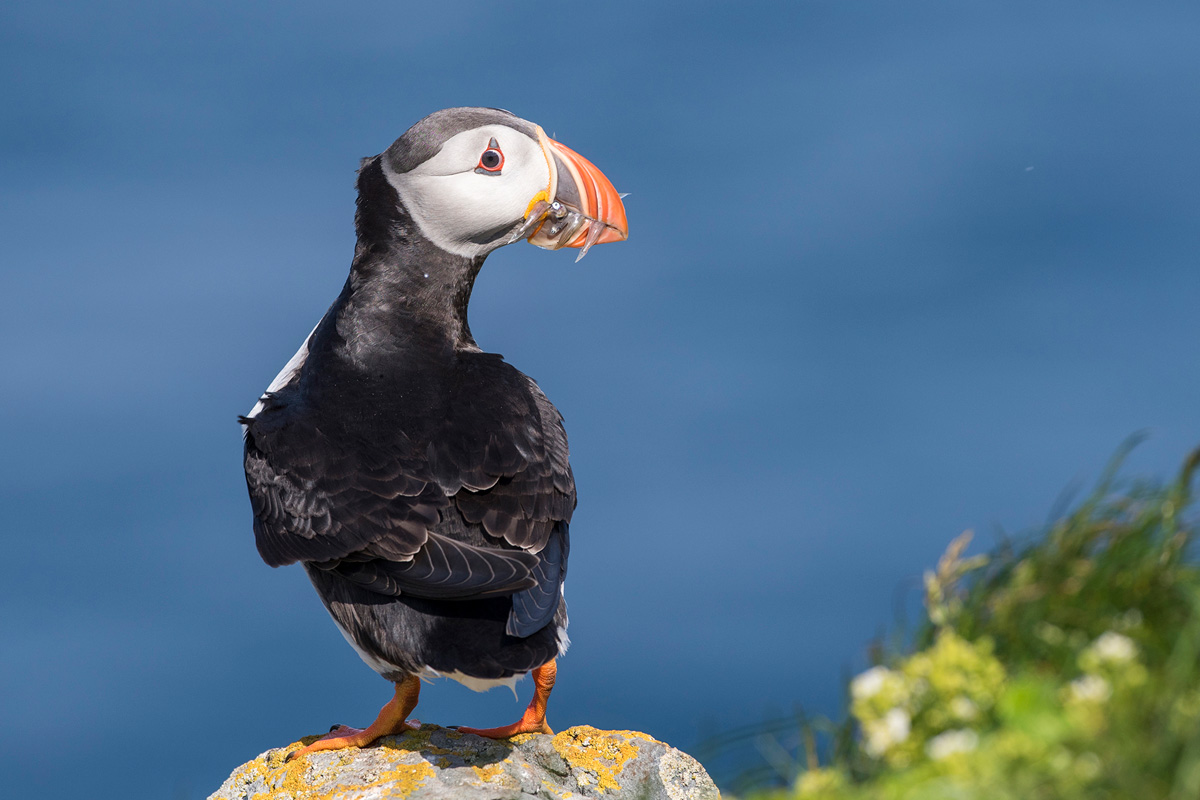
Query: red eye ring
pixel 492 160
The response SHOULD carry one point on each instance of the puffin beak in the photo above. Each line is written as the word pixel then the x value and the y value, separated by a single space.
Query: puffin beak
pixel 579 208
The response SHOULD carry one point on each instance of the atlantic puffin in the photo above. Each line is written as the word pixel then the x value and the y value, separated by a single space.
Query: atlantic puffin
pixel 423 483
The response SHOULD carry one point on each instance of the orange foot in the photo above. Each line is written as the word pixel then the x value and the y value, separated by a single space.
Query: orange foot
pixel 534 718
pixel 393 718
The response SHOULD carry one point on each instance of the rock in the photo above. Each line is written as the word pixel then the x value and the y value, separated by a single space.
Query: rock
pixel 436 763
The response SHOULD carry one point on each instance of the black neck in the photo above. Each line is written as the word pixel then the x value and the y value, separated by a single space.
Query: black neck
pixel 404 295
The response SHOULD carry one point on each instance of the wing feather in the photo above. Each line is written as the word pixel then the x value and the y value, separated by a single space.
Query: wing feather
pixel 444 569
pixel 533 608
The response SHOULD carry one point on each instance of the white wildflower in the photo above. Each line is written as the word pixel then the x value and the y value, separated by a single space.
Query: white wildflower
pixel 1089 689
pixel 1114 647
pixel 962 708
pixel 870 683
pixel 962 740
pixel 884 734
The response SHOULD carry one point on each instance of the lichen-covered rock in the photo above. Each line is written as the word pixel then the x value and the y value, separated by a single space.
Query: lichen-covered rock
pixel 442 764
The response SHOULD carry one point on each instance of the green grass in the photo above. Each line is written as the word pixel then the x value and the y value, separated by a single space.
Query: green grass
pixel 1067 667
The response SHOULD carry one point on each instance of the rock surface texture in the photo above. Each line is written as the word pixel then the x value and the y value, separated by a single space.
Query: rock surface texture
pixel 442 764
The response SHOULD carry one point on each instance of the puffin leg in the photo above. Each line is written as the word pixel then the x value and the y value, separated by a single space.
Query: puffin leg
pixel 393 718
pixel 534 718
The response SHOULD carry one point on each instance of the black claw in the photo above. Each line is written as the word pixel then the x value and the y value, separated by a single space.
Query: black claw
pixel 290 756
pixel 334 727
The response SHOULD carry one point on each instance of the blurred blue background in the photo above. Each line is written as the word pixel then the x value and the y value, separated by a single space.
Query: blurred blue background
pixel 895 270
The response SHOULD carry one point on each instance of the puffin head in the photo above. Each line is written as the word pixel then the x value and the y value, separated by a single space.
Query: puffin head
pixel 475 179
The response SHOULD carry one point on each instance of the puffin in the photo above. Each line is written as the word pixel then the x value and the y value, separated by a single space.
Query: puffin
pixel 423 483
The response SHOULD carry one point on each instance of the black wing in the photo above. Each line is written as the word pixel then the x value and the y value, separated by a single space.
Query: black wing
pixel 401 512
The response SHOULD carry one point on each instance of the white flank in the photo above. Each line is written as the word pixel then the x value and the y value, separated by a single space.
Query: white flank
pixel 285 376
pixel 429 673
pixel 474 684
pixel 560 631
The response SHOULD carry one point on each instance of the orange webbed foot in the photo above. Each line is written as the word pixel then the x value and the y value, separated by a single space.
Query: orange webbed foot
pixel 345 736
pixel 534 718
pixel 392 719
pixel 504 732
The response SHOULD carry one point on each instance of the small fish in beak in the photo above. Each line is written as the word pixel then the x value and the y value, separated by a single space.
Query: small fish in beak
pixel 579 208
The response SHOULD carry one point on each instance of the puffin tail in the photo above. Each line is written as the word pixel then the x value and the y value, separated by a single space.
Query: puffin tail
pixel 533 608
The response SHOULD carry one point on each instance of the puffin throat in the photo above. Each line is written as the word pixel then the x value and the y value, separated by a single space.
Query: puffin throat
pixel 403 290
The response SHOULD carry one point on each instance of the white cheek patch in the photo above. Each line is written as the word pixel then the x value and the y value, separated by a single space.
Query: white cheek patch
pixel 462 211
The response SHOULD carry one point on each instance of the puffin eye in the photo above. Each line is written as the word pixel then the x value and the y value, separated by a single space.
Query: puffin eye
pixel 492 160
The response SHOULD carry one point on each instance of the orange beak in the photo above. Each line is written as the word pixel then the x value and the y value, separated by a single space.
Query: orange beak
pixel 579 208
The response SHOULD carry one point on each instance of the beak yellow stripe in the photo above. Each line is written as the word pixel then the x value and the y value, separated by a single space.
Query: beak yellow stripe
pixel 546 195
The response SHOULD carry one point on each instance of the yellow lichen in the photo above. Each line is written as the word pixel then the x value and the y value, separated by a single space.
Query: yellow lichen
pixel 602 753
pixel 522 738
pixel 489 773
pixel 405 778
pixel 551 790
pixel 300 779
